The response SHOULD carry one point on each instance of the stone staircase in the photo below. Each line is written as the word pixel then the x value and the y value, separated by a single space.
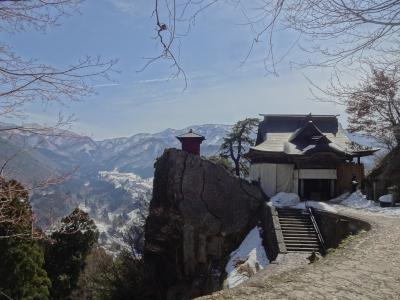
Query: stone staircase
pixel 298 230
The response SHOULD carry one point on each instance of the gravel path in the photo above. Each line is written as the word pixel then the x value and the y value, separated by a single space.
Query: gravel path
pixel 367 266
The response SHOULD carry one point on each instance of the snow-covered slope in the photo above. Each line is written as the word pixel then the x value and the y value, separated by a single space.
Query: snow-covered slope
pixel 114 224
pixel 246 260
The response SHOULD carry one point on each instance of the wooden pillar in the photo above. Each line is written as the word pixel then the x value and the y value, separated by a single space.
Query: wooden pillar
pixel 332 188
pixel 374 190
pixel 301 188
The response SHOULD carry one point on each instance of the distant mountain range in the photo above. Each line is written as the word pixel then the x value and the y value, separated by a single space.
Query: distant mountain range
pixel 64 150
pixel 111 179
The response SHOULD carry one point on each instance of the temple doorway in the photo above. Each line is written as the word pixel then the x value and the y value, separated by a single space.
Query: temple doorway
pixel 317 189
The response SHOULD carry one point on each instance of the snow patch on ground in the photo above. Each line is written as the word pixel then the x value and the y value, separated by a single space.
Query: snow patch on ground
pixel 354 200
pixel 386 198
pixel 315 204
pixel 293 201
pixel 357 200
pixel 285 199
pixel 246 260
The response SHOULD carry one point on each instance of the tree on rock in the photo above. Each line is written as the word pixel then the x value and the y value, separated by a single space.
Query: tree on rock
pixel 66 254
pixel 22 260
pixel 237 142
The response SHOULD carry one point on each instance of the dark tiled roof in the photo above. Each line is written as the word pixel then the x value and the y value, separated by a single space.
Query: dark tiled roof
pixel 190 134
pixel 304 134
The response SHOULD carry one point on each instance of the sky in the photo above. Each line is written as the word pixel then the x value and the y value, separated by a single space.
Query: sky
pixel 220 89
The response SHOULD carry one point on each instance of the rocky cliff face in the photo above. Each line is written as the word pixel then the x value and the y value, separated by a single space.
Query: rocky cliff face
pixel 386 174
pixel 198 215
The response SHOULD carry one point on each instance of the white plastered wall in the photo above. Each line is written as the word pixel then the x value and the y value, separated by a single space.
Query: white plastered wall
pixel 274 178
pixel 317 174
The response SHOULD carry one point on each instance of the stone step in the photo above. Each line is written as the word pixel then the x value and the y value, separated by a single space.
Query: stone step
pixel 301 237
pixel 309 250
pixel 289 226
pixel 301 245
pixel 308 228
pixel 291 211
pixel 297 224
pixel 294 233
pixel 301 222
pixel 294 217
pixel 298 231
pixel 292 214
pixel 297 221
pixel 300 218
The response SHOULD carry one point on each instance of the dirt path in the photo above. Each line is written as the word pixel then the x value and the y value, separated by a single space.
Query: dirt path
pixel 366 267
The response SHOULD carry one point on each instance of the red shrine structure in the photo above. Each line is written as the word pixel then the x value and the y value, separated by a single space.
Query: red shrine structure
pixel 191 142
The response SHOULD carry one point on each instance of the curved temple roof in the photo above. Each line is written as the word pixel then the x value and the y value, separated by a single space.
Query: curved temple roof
pixel 190 135
pixel 303 135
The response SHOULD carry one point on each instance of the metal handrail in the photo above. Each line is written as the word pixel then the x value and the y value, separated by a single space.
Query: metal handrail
pixel 321 239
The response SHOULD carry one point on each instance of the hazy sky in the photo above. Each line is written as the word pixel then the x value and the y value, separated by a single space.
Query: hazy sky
pixel 220 90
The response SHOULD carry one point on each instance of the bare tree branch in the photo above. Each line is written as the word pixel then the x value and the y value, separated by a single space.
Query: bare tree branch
pixel 335 33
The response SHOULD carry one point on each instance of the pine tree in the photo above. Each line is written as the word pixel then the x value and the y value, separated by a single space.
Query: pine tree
pixel 237 142
pixel 66 254
pixel 22 259
pixel 21 270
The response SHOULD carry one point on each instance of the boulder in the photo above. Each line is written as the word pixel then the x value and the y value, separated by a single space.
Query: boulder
pixel 198 215
pixel 384 176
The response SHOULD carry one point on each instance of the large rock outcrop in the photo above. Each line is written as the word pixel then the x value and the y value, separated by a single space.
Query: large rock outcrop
pixel 198 215
pixel 385 175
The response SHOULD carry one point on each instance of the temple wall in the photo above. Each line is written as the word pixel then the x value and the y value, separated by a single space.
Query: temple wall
pixel 345 174
pixel 273 178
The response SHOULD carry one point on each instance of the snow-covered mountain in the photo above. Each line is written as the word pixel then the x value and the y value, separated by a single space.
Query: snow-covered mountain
pixel 111 179
pixel 66 150
pixel 138 153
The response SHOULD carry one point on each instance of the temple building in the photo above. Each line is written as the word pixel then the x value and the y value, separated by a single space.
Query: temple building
pixel 310 155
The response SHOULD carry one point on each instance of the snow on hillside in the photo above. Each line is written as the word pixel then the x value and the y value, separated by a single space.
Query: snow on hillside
pixel 130 182
pixel 246 260
pixel 109 178
pixel 116 223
